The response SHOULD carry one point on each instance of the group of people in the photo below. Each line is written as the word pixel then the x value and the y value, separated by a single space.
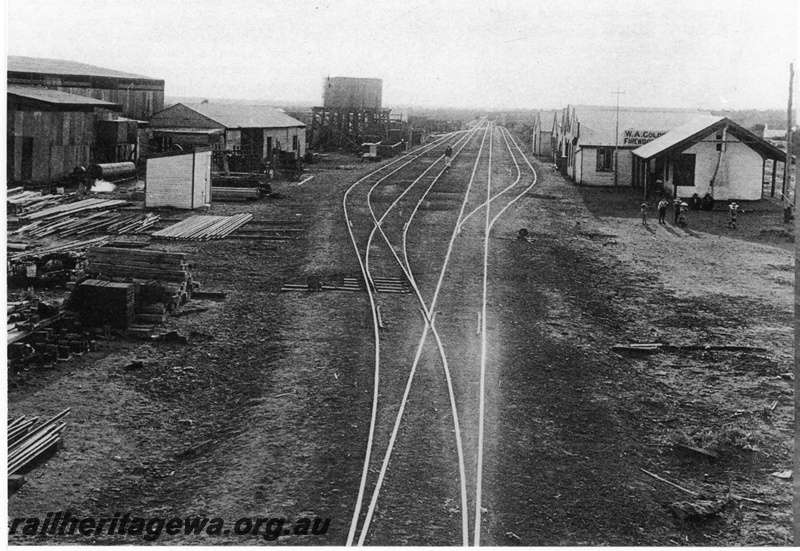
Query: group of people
pixel 681 207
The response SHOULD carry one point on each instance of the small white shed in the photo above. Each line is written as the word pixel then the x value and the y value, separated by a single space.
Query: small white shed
pixel 181 179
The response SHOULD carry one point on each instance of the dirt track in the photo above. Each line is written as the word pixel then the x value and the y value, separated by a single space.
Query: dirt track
pixel 278 386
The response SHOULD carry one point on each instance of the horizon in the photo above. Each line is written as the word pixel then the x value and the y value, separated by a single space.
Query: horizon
pixel 510 55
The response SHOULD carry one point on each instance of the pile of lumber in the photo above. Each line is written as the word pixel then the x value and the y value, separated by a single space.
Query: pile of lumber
pixel 72 246
pixel 163 279
pixel 41 333
pixel 105 303
pixel 203 228
pixel 223 194
pixel 101 221
pixel 27 443
pixel 19 201
pixel 68 209
pixel 138 263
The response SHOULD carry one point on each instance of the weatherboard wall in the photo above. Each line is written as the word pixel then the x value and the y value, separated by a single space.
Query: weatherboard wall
pixel 45 145
pixel 181 181
pixel 139 99
pixel 739 176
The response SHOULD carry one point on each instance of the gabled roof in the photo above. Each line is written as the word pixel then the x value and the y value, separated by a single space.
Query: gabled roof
pixel 244 116
pixel 56 97
pixel 23 64
pixel 206 131
pixel 692 132
pixel 598 123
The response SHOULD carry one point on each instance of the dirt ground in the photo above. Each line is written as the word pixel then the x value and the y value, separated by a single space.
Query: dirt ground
pixel 265 411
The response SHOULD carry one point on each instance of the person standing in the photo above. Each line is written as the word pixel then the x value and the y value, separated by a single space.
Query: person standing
pixel 448 154
pixel 677 206
pixel 733 212
pixel 662 211
pixel 643 210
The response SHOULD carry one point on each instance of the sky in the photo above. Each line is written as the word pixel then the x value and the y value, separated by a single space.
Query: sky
pixel 493 54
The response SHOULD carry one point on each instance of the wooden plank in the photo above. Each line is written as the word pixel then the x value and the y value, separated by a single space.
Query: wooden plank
pixel 154 254
pixel 136 271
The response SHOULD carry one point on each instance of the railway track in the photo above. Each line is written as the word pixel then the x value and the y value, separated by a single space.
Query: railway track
pixel 395 217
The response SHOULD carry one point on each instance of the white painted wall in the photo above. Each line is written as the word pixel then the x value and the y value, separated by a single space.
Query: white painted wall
pixel 586 168
pixel 738 178
pixel 179 181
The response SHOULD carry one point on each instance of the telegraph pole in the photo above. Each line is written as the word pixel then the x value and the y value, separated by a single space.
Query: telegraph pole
pixel 787 167
pixel 616 140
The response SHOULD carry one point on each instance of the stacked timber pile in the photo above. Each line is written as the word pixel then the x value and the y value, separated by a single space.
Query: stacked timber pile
pixel 19 201
pixel 163 280
pixel 138 264
pixel 224 194
pixel 203 228
pixel 73 246
pixel 106 221
pixel 105 303
pixel 40 334
pixel 27 444
pixel 68 209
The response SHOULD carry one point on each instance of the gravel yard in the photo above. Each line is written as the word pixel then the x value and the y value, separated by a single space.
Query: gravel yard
pixel 265 411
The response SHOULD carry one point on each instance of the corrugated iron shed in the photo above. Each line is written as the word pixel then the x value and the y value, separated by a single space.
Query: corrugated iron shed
pixel 23 64
pixel 597 124
pixel 245 116
pixel 686 135
pixel 55 97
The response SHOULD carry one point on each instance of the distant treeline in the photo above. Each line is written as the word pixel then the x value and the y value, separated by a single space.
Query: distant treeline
pixel 773 118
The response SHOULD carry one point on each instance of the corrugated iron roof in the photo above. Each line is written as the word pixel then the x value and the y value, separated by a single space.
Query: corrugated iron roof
pixel 23 64
pixel 597 124
pixel 56 97
pixel 208 131
pixel 232 115
pixel 686 135
pixel 676 136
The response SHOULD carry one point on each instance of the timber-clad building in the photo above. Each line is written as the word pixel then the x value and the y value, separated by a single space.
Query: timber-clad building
pixel 63 114
pixel 138 96
pixel 253 129
pixel 593 144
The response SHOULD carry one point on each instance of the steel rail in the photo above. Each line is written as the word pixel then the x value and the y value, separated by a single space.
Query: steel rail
pixel 408 188
pixel 376 333
pixel 384 466
pixel 505 190
pixel 527 189
pixel 489 224
pixel 427 315
pixel 414 158
pixel 482 385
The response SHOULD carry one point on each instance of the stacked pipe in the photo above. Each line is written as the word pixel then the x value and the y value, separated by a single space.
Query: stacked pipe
pixel 29 444
pixel 203 228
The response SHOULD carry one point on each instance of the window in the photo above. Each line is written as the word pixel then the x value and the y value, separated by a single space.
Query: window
pixel 295 143
pixel 719 140
pixel 605 159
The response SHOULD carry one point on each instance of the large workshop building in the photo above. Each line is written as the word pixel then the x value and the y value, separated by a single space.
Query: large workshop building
pixel 710 154
pixel 543 133
pixel 594 145
pixel 253 129
pixel 63 114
